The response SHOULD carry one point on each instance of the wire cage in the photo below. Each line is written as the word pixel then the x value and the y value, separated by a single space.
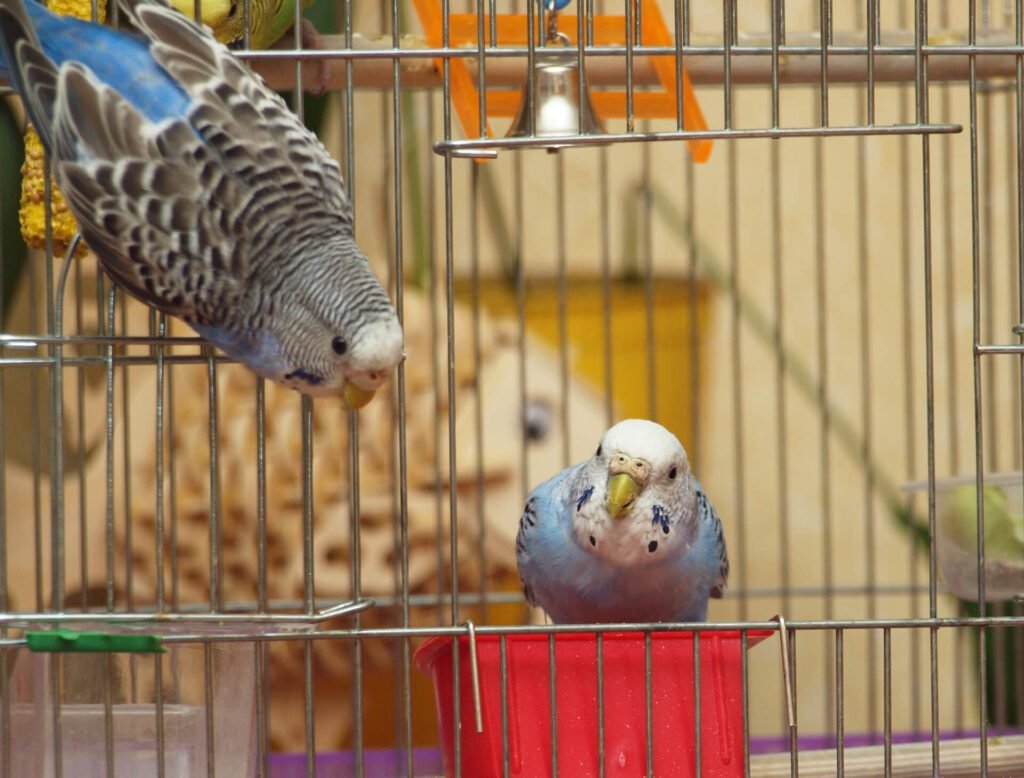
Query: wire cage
pixel 827 310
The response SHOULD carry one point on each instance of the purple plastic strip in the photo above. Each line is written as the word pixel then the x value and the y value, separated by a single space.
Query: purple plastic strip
pixel 377 763
pixel 386 763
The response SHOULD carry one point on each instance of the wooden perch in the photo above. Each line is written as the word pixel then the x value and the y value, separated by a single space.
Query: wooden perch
pixel 373 69
pixel 909 760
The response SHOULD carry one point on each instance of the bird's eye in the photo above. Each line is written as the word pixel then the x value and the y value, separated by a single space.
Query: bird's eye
pixel 339 345
pixel 233 11
pixel 672 473
pixel 598 450
pixel 537 420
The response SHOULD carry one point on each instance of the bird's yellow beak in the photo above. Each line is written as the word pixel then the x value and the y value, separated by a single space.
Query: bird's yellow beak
pixel 355 397
pixel 622 490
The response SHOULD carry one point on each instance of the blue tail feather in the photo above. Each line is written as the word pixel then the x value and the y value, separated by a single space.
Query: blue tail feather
pixel 121 60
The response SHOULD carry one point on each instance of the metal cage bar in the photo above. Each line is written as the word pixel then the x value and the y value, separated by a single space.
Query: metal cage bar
pixel 812 352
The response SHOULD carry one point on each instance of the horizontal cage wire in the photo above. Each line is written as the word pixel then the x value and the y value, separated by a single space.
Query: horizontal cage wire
pixel 790 232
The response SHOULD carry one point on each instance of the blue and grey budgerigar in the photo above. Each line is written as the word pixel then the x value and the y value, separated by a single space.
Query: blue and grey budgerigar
pixel 628 536
pixel 203 195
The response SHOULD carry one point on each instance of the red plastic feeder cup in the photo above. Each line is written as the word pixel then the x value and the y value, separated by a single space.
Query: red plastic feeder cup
pixel 526 709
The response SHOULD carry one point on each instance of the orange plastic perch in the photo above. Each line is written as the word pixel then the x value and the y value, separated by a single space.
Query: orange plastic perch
pixel 511 30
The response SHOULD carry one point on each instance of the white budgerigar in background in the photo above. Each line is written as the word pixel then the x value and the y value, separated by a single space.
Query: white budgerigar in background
pixel 628 536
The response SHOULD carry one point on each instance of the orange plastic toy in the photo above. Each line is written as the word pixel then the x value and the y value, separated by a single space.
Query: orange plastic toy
pixel 512 30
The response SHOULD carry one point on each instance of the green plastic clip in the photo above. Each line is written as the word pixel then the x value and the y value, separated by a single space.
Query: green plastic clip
pixel 66 641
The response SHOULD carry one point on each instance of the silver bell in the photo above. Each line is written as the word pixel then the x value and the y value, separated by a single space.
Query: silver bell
pixel 555 99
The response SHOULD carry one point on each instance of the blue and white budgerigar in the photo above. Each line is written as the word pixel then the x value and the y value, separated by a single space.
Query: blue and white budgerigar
pixel 203 195
pixel 627 536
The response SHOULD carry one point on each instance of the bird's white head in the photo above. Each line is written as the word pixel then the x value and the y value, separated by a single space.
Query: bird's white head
pixel 353 365
pixel 636 494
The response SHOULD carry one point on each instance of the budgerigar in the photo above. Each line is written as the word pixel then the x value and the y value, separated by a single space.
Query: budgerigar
pixel 1004 531
pixel 268 19
pixel 627 536
pixel 203 195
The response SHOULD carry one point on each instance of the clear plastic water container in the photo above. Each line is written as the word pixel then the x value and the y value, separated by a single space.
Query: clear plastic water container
pixel 108 708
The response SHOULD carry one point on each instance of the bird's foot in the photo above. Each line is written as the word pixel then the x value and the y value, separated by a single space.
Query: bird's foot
pixel 311 39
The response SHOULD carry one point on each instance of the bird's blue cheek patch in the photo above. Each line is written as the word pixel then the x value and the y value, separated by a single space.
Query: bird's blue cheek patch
pixel 660 517
pixel 582 499
pixel 306 377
